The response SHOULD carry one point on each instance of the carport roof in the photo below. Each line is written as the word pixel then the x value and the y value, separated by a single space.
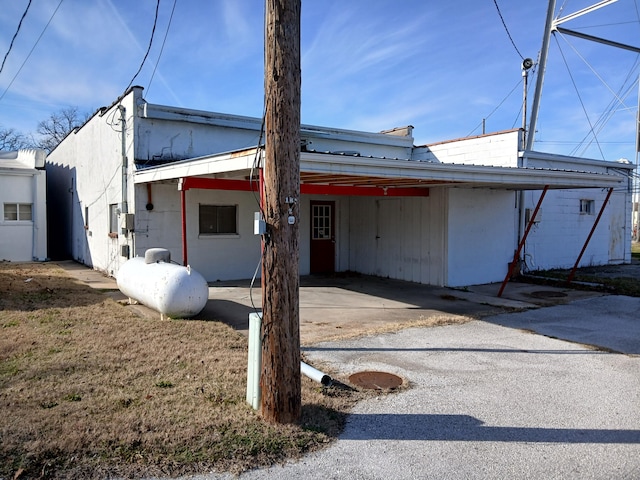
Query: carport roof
pixel 347 170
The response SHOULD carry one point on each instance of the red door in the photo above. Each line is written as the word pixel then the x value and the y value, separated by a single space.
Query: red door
pixel 323 239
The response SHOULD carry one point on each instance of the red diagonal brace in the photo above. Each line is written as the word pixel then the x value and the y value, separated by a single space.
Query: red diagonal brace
pixel 593 229
pixel 516 256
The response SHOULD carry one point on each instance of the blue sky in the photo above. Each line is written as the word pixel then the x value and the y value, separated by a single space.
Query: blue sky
pixel 441 66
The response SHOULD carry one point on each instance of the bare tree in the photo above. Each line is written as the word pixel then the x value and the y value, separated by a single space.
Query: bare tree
pixel 54 129
pixel 11 139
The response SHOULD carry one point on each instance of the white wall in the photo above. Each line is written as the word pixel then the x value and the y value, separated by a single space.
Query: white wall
pixel 556 241
pixel 481 235
pixel 225 257
pixel 498 149
pixel 24 241
pixel 399 238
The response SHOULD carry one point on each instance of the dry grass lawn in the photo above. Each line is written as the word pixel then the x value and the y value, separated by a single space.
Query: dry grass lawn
pixel 89 390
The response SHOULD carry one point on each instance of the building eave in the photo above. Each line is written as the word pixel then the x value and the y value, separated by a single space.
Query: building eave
pixel 349 170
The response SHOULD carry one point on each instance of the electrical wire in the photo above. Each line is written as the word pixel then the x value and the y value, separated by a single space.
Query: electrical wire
pixel 504 24
pixel 14 36
pixel 584 109
pixel 153 31
pixel 497 107
pixel 166 33
pixel 31 51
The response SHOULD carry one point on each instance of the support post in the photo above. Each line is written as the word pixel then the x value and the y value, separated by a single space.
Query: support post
pixel 586 243
pixel 183 223
pixel 281 383
pixel 516 256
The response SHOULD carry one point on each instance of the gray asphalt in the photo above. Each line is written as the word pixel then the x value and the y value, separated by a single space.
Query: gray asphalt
pixel 519 396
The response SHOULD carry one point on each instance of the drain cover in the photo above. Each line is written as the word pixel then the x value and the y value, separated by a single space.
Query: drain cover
pixel 375 380
pixel 548 294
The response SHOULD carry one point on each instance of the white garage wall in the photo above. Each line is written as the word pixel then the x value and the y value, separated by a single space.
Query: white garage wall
pixel 225 257
pixel 399 238
pixel 556 240
pixel 481 235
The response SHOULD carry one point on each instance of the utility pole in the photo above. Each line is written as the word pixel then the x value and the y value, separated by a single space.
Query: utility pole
pixel 280 380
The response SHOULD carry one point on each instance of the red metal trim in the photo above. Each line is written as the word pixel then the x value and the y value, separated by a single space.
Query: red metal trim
pixel 218 184
pixel 516 256
pixel 305 188
pixel 584 247
pixel 183 210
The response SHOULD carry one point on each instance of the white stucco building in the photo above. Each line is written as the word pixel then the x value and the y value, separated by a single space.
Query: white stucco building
pixel 139 175
pixel 23 227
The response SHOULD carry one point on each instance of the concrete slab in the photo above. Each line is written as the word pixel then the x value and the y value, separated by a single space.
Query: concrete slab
pixel 347 305
pixel 607 322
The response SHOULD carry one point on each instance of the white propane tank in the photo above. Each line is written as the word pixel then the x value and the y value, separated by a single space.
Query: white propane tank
pixel 173 290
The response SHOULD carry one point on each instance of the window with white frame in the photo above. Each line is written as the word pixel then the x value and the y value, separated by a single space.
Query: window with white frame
pixel 18 212
pixel 218 219
pixel 587 207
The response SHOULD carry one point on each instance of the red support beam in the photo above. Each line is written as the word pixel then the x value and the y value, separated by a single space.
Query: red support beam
pixel 306 188
pixel 516 256
pixel 593 229
pixel 218 184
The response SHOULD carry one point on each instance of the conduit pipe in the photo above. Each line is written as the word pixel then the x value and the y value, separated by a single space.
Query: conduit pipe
pixel 315 374
pixel 254 363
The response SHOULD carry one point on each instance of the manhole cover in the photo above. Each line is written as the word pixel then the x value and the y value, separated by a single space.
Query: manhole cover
pixel 548 294
pixel 375 380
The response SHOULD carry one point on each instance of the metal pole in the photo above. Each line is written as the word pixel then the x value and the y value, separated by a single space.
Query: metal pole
pixel 542 65
pixel 516 256
pixel 183 212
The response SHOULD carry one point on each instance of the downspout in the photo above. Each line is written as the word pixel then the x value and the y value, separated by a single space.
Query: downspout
pixel 123 120
pixel 34 217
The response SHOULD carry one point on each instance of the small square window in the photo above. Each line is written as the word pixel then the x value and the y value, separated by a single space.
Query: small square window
pixel 587 207
pixel 24 211
pixel 11 211
pixel 218 220
pixel 18 212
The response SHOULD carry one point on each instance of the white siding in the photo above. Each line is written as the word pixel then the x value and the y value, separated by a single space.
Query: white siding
pixel 225 257
pixel 499 150
pixel 556 241
pixel 24 241
pixel 481 235
pixel 398 238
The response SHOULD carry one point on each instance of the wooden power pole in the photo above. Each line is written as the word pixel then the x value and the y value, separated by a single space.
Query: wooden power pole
pixel 281 397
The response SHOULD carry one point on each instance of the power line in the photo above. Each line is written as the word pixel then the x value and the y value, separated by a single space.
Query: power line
pixel 31 51
pixel 15 35
pixel 506 29
pixel 153 31
pixel 584 109
pixel 162 48
pixel 496 108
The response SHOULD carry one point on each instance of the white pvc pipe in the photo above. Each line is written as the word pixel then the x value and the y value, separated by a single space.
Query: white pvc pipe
pixel 315 374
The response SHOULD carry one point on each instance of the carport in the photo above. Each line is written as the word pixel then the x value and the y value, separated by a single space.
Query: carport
pixel 352 175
